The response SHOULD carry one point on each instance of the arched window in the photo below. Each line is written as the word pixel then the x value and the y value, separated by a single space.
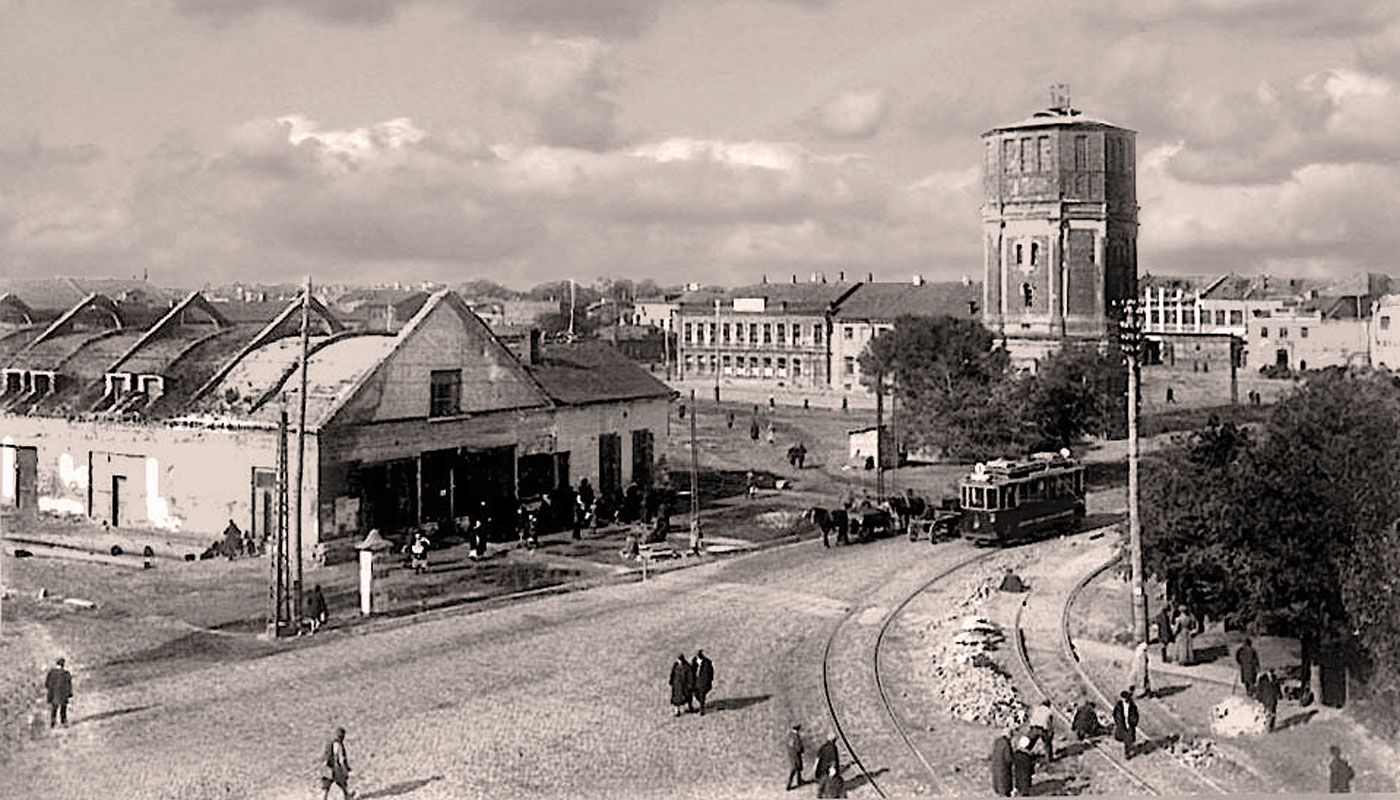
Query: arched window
pixel 1018 259
pixel 1035 254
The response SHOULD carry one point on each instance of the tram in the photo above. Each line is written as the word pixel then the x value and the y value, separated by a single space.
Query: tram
pixel 1006 501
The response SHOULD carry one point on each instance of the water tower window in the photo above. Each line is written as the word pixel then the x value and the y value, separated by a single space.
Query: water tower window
pixel 1081 152
pixel 1035 254
pixel 1027 154
pixel 1044 160
pixel 1008 155
pixel 1018 255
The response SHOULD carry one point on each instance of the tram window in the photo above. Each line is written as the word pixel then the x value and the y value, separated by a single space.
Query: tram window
pixel 1079 483
pixel 978 498
pixel 1010 499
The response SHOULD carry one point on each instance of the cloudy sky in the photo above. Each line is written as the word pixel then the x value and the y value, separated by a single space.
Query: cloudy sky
pixel 527 140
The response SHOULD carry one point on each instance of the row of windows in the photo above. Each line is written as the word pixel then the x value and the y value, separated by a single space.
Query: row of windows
pixel 751 366
pixel 1157 315
pixel 697 333
pixel 1028 154
pixel 1282 333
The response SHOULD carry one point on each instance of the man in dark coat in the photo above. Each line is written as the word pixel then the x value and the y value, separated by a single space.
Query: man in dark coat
pixel 1001 764
pixel 316 608
pixel 1086 721
pixel 1125 721
pixel 1165 636
pixel 827 758
pixel 832 784
pixel 1022 766
pixel 704 679
pixel 1339 773
pixel 337 766
pixel 59 684
pixel 1249 666
pixel 1266 691
pixel 682 674
pixel 585 493
pixel 794 753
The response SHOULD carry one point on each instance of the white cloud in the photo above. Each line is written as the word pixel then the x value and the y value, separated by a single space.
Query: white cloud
pixel 564 87
pixel 853 114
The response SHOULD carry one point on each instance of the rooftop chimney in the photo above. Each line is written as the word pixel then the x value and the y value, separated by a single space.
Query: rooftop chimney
pixel 764 278
pixel 841 277
pixel 794 279
pixel 918 280
pixel 534 352
pixel 869 277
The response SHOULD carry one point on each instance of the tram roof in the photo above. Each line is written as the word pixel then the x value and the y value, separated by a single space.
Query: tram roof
pixel 1003 469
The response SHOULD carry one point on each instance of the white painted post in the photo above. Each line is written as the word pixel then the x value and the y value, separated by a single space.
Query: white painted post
pixel 366 582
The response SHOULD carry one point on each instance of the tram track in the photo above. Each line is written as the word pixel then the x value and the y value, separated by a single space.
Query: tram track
pixel 884 725
pixel 1065 662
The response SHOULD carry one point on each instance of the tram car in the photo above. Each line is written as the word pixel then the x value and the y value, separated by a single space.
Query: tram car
pixel 1006 501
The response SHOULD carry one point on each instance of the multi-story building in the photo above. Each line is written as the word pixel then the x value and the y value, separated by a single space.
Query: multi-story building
pixel 1292 323
pixel 771 334
pixel 1059 218
pixel 872 310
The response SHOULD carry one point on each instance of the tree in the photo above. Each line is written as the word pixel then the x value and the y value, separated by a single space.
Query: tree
pixel 1292 532
pixel 1077 391
pixel 950 382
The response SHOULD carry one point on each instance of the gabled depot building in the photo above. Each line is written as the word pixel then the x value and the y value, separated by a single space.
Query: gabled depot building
pixel 175 425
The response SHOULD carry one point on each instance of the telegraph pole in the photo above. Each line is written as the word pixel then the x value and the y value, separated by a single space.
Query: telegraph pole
pixel 1130 337
pixel 694 466
pixel 715 338
pixel 301 454
pixel 880 435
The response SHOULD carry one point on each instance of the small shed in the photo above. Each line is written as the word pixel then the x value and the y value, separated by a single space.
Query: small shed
pixel 873 442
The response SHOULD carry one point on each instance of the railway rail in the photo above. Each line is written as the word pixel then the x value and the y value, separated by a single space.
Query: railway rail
pixel 1066 656
pixel 942 781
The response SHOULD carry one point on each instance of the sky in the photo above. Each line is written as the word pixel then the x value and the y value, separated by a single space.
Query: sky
pixel 203 142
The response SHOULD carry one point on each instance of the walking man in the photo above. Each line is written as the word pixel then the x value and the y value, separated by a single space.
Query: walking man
pixel 59 684
pixel 1001 763
pixel 681 676
pixel 794 753
pixel 1339 773
pixel 1164 633
pixel 832 784
pixel 704 679
pixel 337 766
pixel 1266 691
pixel 1249 666
pixel 827 758
pixel 1042 723
pixel 316 607
pixel 1086 721
pixel 1125 721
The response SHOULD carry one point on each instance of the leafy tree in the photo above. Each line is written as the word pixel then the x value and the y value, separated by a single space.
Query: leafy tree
pixel 1292 532
pixel 1077 391
pixel 950 382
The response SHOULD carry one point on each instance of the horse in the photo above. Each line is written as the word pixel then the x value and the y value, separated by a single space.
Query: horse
pixel 833 519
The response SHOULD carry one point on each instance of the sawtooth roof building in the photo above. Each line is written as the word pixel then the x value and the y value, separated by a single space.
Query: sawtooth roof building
pixel 175 425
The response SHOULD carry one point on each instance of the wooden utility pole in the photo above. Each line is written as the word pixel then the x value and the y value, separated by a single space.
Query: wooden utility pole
pixel 694 466
pixel 880 436
pixel 301 455
pixel 1130 336
pixel 277 553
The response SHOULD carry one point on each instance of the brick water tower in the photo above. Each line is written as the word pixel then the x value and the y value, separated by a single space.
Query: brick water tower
pixel 1059 219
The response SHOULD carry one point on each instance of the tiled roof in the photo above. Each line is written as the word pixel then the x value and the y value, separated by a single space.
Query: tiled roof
pixel 592 372
pixel 887 301
pixel 800 298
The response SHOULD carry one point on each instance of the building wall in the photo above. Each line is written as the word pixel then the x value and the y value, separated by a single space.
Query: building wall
pixel 446 340
pixel 182 479
pixel 1384 332
pixel 1306 341
pixel 753 337
pixel 846 350
pixel 567 429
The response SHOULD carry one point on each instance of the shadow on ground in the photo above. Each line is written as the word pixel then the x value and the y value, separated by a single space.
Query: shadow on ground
pixel 402 787
pixel 736 703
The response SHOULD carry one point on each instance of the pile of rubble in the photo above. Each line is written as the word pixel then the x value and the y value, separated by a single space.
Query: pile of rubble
pixel 968 682
pixel 1238 716
pixel 1194 753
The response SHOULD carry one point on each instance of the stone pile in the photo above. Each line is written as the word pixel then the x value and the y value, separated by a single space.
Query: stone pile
pixel 1237 715
pixel 1194 753
pixel 973 688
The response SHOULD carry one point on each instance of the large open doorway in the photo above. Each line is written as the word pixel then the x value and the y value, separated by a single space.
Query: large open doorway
pixel 643 457
pixel 610 464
